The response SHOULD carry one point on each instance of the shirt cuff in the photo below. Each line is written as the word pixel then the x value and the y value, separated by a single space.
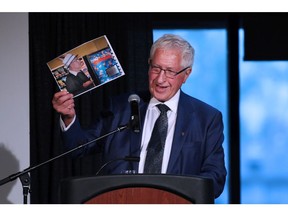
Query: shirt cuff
pixel 63 126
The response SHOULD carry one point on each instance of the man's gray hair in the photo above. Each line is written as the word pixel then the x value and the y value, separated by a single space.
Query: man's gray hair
pixel 171 41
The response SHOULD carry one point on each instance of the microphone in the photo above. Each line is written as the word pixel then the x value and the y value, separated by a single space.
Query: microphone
pixel 134 123
pixel 127 158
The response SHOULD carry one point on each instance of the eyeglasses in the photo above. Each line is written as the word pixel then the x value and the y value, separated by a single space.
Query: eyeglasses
pixel 168 73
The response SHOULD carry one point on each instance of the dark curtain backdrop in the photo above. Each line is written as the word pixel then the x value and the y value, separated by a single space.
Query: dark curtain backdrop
pixel 52 34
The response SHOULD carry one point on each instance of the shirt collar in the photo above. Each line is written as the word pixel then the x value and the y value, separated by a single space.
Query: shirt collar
pixel 172 103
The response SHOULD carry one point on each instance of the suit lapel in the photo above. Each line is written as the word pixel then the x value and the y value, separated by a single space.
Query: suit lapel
pixel 183 123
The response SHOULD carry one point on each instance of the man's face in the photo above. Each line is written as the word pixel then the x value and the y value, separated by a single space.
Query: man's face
pixel 160 86
pixel 75 65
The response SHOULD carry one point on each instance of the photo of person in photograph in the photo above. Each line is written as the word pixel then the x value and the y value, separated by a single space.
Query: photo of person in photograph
pixel 76 81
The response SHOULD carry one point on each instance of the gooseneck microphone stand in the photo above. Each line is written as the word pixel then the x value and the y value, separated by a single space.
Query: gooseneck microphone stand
pixel 25 177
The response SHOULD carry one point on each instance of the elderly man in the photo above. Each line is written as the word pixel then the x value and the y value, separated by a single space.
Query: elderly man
pixel 189 135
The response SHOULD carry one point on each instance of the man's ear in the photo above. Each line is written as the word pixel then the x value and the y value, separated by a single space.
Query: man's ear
pixel 187 74
pixel 189 71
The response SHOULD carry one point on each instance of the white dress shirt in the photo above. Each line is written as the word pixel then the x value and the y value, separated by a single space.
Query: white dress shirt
pixel 150 118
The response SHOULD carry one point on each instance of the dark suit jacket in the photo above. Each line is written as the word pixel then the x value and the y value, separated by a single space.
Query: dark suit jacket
pixel 197 143
pixel 74 84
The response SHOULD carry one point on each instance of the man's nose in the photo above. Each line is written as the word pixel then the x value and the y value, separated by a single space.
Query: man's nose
pixel 162 76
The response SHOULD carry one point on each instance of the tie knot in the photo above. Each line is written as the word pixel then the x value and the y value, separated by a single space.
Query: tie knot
pixel 163 108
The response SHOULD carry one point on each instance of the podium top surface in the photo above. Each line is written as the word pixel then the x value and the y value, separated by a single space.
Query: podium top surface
pixel 76 190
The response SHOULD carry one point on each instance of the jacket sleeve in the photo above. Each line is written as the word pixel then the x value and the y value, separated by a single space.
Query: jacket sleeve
pixel 213 163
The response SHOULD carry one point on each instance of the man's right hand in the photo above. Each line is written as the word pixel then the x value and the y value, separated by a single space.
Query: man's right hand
pixel 63 103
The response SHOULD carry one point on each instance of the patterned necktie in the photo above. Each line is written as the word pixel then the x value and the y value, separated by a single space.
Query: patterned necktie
pixel 155 149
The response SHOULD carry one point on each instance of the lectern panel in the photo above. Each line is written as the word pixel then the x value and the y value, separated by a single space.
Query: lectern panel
pixel 138 195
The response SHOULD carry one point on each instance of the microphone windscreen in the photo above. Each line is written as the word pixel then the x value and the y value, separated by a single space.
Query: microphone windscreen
pixel 133 97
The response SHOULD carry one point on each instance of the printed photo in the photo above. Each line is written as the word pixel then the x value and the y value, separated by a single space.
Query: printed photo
pixel 86 67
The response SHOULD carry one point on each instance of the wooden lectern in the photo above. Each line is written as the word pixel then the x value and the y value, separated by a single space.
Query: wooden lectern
pixel 137 189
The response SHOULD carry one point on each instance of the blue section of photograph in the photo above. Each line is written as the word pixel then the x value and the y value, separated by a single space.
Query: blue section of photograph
pixel 104 65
